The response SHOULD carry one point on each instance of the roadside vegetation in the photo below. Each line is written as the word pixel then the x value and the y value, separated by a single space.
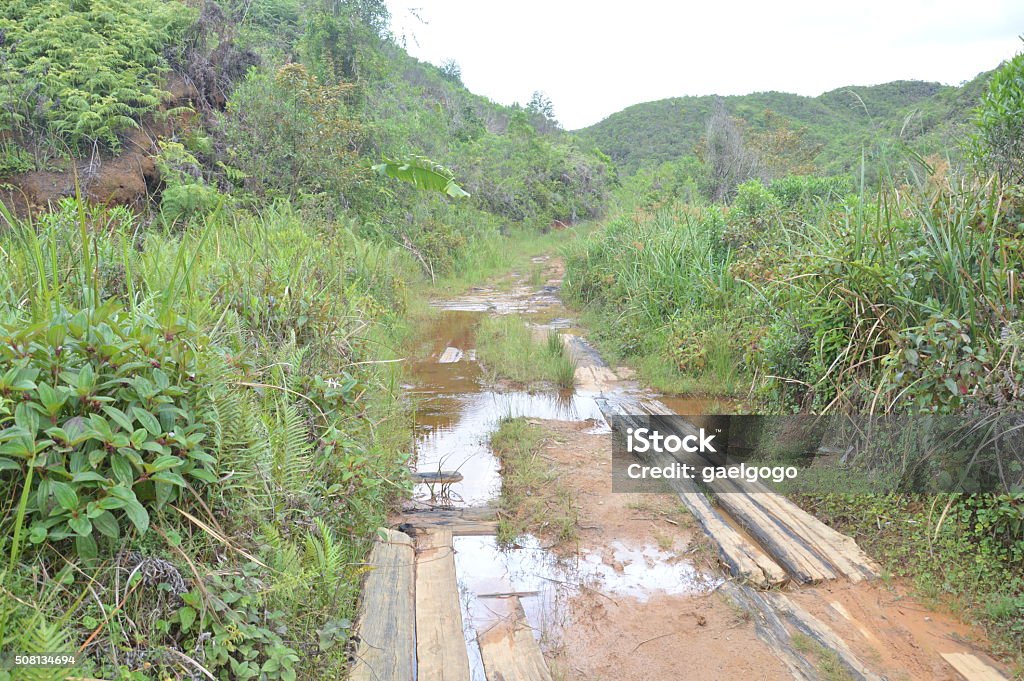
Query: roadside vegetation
pixel 533 498
pixel 844 294
pixel 201 417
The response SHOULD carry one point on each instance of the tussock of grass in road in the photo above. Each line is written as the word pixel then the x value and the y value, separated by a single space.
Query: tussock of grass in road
pixel 507 350
pixel 533 498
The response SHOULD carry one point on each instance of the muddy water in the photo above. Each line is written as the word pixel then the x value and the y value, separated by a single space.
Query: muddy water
pixel 456 414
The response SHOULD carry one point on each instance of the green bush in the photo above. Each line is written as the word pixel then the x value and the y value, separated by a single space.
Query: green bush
pixel 84 71
pixel 998 141
pixel 105 415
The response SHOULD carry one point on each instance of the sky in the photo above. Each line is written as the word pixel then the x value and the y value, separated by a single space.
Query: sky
pixel 594 58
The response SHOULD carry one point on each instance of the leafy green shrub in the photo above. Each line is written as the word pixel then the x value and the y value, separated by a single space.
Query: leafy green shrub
pixel 104 414
pixel 84 71
pixel 754 204
pixel 14 160
pixel 797 190
pixel 291 134
pixel 998 141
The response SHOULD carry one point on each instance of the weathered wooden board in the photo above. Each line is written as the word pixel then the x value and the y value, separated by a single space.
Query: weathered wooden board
pixel 386 625
pixel 450 356
pixel 463 521
pixel 744 560
pixel 508 648
pixel 810 625
pixel 440 647
pixel 972 668
pixel 809 550
pixel 436 477
pixel 771 630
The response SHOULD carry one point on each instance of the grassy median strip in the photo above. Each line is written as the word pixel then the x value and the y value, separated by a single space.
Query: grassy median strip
pixel 508 349
pixel 533 497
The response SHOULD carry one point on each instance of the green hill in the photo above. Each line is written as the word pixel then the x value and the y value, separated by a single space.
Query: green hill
pixel 838 123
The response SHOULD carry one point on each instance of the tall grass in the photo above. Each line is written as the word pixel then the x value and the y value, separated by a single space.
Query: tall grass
pixel 905 299
pixel 509 350
pixel 300 321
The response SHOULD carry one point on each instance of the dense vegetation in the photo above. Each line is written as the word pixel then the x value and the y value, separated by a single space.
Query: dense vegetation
pixel 201 424
pixel 833 295
pixel 835 129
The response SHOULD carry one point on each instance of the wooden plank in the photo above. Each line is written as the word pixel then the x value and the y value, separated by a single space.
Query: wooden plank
pixel 508 648
pixel 744 560
pixel 440 646
pixel 450 356
pixel 436 477
pixel 807 548
pixel 972 668
pixel 788 548
pixel 810 625
pixel 386 624
pixel 771 630
pixel 462 521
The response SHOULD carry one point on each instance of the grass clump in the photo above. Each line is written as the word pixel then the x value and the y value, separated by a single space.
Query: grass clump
pixel 508 350
pixel 533 498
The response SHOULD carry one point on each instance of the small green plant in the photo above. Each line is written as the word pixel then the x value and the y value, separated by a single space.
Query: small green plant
pixel 103 415
pixel 14 160
pixel 532 496
pixel 998 140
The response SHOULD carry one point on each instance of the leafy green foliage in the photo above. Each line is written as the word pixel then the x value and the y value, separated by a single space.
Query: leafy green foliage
pixel 292 135
pixel 107 408
pixel 998 142
pixel 87 70
pixel 423 173
pixel 838 128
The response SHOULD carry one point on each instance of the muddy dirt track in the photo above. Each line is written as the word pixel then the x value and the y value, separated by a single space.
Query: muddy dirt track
pixel 639 595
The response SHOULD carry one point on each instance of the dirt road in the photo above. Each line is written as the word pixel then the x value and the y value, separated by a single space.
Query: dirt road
pixel 639 594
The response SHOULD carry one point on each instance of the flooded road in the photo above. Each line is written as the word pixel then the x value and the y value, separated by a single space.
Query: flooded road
pixel 456 413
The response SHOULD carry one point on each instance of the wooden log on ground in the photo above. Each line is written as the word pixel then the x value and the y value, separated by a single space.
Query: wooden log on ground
pixel 440 647
pixel 461 521
pixel 508 648
pixel 811 626
pixel 436 477
pixel 972 668
pixel 386 624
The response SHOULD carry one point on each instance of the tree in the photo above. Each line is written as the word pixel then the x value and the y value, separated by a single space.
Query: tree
pixel 541 106
pixel 729 161
pixel 451 71
pixel 998 141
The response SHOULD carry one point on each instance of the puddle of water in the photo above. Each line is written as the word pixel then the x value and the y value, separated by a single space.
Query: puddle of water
pixel 453 433
pixel 547 583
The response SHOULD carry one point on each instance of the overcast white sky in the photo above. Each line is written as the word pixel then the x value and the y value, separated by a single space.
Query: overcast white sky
pixel 595 58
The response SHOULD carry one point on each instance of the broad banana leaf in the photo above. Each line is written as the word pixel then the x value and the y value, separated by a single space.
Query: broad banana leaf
pixel 424 174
